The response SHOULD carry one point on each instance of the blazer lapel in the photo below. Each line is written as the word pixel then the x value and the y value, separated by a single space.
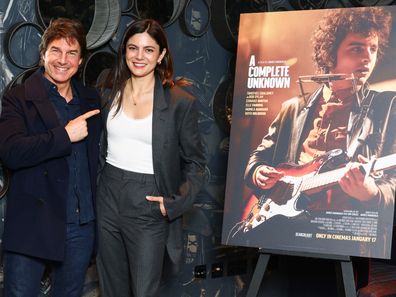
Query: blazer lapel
pixel 36 93
pixel 106 105
pixel 159 122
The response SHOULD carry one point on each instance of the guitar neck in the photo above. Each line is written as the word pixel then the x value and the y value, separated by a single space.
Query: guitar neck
pixel 329 178
pixel 322 180
pixel 384 163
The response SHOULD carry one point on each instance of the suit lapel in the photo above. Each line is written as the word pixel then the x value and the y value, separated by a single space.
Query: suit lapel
pixel 360 126
pixel 37 93
pixel 159 122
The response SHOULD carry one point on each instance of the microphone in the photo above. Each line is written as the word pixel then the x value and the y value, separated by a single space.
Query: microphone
pixel 323 78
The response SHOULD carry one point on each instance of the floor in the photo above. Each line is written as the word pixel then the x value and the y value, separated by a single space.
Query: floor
pixel 289 276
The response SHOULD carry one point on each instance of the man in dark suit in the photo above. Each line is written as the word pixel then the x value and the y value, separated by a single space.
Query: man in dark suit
pixel 49 139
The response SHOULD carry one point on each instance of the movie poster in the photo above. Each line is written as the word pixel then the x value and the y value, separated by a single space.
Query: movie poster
pixel 313 145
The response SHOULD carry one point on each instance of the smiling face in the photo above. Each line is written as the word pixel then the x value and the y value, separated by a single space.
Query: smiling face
pixel 142 53
pixel 61 60
pixel 357 55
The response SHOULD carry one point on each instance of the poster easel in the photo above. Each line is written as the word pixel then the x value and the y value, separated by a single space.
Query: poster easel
pixel 345 277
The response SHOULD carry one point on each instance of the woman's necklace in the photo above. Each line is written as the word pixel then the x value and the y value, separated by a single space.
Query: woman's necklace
pixel 133 99
pixel 144 96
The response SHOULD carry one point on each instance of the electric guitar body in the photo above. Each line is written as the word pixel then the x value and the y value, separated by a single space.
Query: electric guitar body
pixel 303 180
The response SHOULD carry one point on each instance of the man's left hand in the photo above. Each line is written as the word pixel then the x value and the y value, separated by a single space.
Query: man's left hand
pixel 355 183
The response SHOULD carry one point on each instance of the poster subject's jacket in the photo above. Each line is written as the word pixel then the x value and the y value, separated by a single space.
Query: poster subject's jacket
pixel 178 157
pixel 283 142
pixel 34 146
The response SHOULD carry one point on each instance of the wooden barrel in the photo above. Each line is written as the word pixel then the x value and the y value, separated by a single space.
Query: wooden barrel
pixel 26 38
pixel 95 64
pixel 195 18
pixel 100 18
pixel 166 12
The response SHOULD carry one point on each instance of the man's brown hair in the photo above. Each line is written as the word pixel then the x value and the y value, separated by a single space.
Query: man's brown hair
pixel 368 21
pixel 64 28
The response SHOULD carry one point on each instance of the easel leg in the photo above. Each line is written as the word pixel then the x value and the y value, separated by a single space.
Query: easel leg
pixel 345 278
pixel 258 275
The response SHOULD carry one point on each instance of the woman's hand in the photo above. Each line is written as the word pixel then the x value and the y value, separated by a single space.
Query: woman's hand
pixel 160 200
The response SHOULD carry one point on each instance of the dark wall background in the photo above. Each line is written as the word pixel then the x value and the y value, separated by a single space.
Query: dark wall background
pixel 203 38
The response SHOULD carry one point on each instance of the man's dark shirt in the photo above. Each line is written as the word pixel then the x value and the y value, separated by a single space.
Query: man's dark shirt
pixel 329 131
pixel 79 203
pixel 329 127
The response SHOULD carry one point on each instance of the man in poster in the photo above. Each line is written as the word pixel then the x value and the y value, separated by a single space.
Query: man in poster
pixel 341 124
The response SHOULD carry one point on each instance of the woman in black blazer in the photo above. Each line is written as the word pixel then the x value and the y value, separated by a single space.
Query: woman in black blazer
pixel 153 165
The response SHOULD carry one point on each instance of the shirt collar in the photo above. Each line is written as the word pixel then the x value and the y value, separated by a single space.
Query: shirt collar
pixel 54 89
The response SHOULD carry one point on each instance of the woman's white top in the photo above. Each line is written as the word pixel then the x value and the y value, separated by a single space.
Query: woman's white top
pixel 129 142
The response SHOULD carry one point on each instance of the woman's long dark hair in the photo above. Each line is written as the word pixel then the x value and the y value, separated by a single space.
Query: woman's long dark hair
pixel 120 73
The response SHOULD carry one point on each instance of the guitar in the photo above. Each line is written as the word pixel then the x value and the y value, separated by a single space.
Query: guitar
pixel 303 179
